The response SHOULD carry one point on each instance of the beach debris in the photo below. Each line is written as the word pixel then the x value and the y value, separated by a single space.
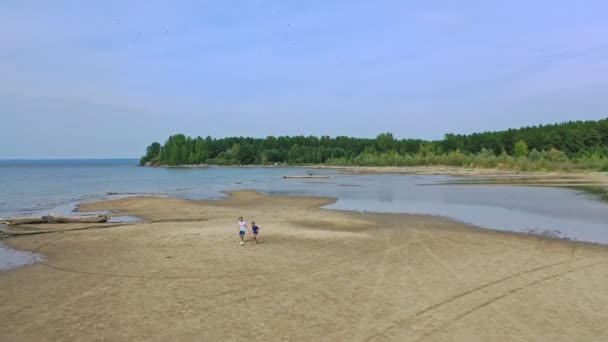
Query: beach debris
pixel 23 220
pixel 4 234
pixel 54 219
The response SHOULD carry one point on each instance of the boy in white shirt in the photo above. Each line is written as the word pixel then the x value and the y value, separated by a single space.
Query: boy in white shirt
pixel 243 228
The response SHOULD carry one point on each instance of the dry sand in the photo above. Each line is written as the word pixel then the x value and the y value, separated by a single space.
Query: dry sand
pixel 318 275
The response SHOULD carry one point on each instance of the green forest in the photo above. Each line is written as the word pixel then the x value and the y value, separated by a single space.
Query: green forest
pixel 573 145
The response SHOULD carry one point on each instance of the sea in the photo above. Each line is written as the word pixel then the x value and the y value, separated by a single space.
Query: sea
pixel 39 187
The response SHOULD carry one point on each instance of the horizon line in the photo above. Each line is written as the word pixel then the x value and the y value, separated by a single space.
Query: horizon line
pixel 32 159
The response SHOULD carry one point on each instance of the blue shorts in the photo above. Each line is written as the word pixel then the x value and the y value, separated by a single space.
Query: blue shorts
pixel 241 233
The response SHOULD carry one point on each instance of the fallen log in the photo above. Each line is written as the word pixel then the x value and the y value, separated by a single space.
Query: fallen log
pixel 24 220
pixel 54 219
pixel 78 219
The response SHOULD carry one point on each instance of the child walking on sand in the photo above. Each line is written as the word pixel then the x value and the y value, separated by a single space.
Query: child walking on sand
pixel 243 228
pixel 255 229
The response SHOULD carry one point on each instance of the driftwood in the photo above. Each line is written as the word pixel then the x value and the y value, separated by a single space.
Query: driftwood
pixel 54 219
pixel 78 219
pixel 23 220
pixel 325 177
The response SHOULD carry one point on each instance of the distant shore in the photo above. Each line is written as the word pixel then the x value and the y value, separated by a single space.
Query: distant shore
pixel 591 176
pixel 317 275
pixel 594 183
pixel 423 169
pixel 548 178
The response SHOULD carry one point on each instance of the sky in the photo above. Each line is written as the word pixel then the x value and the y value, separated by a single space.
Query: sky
pixel 104 79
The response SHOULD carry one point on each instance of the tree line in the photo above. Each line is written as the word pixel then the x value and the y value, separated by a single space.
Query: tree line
pixel 576 142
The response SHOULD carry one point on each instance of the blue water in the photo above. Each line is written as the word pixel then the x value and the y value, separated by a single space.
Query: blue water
pixel 43 186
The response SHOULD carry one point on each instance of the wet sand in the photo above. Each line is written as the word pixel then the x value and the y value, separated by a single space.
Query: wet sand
pixel 317 275
pixel 555 178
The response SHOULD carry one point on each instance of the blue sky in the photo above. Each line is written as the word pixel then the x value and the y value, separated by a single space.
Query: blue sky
pixel 104 79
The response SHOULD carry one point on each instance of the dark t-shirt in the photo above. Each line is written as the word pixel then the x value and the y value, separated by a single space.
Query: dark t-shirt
pixel 255 229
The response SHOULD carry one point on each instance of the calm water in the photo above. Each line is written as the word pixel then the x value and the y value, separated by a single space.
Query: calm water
pixel 40 187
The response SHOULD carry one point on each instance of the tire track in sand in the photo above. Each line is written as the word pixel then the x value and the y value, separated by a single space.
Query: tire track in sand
pixel 428 321
pixel 508 293
pixel 380 275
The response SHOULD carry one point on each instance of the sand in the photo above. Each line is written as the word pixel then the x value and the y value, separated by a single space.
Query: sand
pixel 318 275
pixel 514 177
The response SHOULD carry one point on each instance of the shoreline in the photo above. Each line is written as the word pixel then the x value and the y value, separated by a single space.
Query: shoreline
pixel 594 177
pixel 419 169
pixel 459 171
pixel 136 217
pixel 318 274
pixel 593 184
pixel 320 203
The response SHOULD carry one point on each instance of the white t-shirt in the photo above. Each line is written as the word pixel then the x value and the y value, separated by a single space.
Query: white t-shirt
pixel 243 226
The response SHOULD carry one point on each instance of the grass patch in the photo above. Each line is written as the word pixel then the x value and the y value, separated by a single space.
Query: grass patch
pixel 600 193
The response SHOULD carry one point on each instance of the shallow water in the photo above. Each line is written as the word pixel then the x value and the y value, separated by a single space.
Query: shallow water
pixel 40 187
pixel 556 212
pixel 11 258
pixel 124 219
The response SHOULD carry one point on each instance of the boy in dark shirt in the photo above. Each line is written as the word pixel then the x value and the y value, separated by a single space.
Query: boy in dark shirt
pixel 255 229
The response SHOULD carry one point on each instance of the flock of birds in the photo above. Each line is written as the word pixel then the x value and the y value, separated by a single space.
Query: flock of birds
pixel 139 34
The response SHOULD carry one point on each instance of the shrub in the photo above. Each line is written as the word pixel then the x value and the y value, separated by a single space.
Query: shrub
pixel 556 155
pixel 534 155
pixel 521 149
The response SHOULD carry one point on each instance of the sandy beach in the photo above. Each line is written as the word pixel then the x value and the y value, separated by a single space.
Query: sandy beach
pixel 317 275
pixel 514 177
